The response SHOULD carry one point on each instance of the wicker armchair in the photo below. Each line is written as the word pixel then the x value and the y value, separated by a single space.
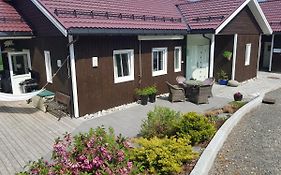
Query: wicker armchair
pixel 200 93
pixel 176 93
pixel 209 82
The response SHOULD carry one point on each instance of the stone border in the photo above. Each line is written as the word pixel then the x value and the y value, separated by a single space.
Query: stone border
pixel 208 156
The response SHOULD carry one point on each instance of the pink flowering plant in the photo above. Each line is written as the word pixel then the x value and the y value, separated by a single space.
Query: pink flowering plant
pixel 97 153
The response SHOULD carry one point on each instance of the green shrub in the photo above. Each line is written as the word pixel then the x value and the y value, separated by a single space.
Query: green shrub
pixel 237 104
pixel 162 156
pixel 160 123
pixel 197 126
pixel 142 91
pixel 152 89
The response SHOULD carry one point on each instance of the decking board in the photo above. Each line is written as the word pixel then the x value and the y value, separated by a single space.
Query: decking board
pixel 27 134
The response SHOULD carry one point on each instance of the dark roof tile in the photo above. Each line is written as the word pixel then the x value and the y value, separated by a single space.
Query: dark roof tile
pixel 77 14
pixel 272 11
pixel 10 20
pixel 208 14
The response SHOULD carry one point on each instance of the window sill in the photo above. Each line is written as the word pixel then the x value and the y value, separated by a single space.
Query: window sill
pixel 158 73
pixel 177 70
pixel 123 79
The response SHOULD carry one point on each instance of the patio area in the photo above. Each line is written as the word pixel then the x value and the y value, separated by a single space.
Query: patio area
pixel 28 134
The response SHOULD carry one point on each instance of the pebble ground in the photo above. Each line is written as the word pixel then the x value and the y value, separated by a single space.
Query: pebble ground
pixel 254 145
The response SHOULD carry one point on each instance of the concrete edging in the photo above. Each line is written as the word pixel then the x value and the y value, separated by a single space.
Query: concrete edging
pixel 208 156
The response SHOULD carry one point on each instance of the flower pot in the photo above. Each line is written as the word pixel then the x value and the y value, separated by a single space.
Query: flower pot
pixel 238 97
pixel 222 82
pixel 144 99
pixel 228 58
pixel 152 98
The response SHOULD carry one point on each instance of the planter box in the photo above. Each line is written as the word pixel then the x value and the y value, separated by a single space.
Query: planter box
pixel 223 82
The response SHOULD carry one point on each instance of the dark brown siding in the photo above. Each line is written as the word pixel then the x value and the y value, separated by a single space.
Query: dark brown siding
pixel 243 23
pixel 223 43
pixel 276 58
pixel 246 72
pixel 96 87
pixel 58 50
pixel 39 23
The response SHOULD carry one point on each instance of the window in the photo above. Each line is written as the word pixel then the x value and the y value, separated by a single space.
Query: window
pixel 48 66
pixel 123 62
pixel 177 59
pixel 248 54
pixel 159 61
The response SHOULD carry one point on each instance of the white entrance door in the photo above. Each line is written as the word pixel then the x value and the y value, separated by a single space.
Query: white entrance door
pixel 202 63
pixel 19 63
pixel 266 54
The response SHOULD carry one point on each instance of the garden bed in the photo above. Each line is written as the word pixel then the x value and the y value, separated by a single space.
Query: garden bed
pixel 169 143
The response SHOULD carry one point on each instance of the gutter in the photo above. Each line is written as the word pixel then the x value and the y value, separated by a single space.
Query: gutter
pixel 99 31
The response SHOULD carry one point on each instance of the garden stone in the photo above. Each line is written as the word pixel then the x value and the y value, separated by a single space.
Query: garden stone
pixel 233 83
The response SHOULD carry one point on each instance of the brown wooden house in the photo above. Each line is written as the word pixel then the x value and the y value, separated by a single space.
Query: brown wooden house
pixel 270 57
pixel 107 49
pixel 14 60
pixel 113 48
pixel 219 26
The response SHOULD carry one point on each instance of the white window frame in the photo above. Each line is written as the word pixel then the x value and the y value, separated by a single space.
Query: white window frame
pixel 165 55
pixel 248 54
pixel 48 66
pixel 179 60
pixel 131 75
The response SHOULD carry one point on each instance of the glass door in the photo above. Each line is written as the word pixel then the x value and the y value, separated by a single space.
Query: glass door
pixel 19 64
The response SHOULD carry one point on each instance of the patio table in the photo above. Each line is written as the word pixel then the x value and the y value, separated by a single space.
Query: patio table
pixel 193 82
pixel 195 91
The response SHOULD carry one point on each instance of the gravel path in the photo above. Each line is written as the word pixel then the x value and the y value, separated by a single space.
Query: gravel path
pixel 254 145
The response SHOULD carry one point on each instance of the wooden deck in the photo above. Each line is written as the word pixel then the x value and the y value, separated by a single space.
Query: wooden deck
pixel 27 134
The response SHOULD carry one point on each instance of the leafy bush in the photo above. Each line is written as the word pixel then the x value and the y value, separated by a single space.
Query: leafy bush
pixel 95 153
pixel 197 126
pixel 162 156
pixel 237 104
pixel 152 89
pixel 160 123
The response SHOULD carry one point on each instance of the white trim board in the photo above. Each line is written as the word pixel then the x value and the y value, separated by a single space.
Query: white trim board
pixel 73 77
pixel 257 12
pixel 50 17
pixel 160 37
pixel 15 37
pixel 234 56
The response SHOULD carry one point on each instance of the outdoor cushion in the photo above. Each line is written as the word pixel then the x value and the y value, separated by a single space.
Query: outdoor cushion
pixel 233 83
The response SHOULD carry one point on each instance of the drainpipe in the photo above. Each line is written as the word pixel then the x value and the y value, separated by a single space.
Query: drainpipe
pixel 73 76
pixel 271 53
pixel 259 54
pixel 211 54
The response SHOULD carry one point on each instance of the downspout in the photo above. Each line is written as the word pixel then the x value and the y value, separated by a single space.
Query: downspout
pixel 73 76
pixel 259 54
pixel 210 43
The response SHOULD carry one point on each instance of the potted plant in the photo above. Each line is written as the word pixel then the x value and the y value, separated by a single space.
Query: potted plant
pixel 227 54
pixel 222 77
pixel 143 94
pixel 238 96
pixel 152 90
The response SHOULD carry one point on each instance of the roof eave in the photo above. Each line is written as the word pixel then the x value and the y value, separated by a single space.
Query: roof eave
pixel 257 12
pixel 15 33
pixel 260 17
pixel 202 31
pixel 109 31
